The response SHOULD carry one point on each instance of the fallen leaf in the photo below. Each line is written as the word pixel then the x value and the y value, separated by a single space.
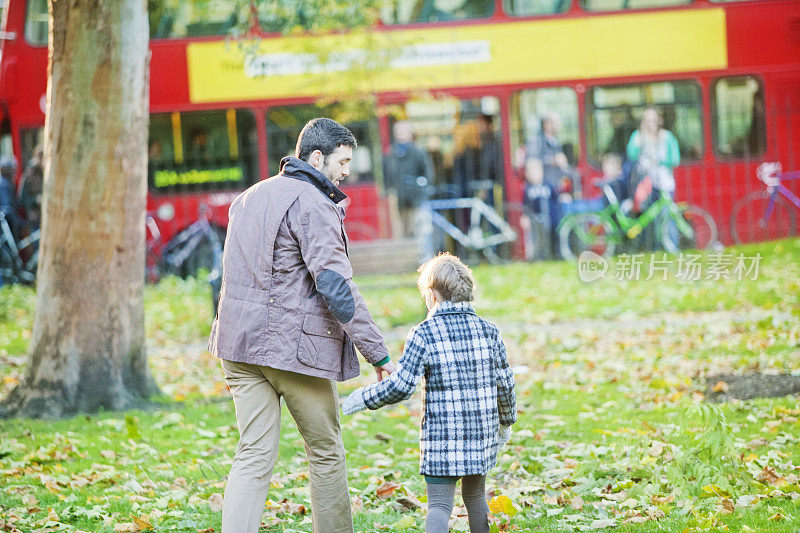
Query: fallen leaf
pixel 142 522
pixel 387 489
pixel 409 502
pixel 721 386
pixel 108 454
pixel 125 527
pixel 599 524
pixel 576 503
pixel 502 505
pixel 216 501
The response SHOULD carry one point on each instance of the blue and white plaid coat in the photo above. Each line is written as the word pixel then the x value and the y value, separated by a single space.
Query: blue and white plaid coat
pixel 469 389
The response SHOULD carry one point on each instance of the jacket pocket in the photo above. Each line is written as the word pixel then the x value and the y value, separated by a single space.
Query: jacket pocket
pixel 321 343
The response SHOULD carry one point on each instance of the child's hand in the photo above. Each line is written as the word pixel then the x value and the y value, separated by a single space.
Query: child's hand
pixel 354 403
pixel 503 435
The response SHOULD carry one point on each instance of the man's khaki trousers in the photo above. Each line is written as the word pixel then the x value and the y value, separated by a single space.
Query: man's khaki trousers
pixel 314 405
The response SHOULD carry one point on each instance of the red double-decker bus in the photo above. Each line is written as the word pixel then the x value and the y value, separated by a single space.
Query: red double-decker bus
pixel 724 74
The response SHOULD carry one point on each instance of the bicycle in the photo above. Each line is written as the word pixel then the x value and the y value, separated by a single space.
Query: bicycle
pixel 18 259
pixel 199 245
pixel 765 215
pixel 679 226
pixel 485 232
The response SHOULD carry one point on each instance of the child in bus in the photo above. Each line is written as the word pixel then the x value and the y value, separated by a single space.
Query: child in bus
pixel 470 402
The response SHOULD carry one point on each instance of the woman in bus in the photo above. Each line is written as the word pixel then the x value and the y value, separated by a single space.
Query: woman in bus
pixel 655 152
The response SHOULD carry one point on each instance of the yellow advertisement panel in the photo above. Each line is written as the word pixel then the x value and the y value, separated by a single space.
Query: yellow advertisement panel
pixel 459 56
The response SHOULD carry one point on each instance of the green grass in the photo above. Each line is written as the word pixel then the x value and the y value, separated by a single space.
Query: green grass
pixel 613 423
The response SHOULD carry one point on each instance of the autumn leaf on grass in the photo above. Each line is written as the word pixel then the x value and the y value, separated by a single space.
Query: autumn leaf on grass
pixel 142 522
pixel 721 386
pixel 768 476
pixel 602 523
pixel 713 490
pixel 125 527
pixel 502 505
pixel 387 489
pixel 215 501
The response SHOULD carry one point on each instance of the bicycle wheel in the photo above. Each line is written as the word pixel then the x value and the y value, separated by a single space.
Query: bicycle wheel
pixel 587 232
pixel 699 232
pixel 529 244
pixel 749 225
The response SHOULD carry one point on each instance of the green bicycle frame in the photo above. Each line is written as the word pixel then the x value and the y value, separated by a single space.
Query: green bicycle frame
pixel 632 227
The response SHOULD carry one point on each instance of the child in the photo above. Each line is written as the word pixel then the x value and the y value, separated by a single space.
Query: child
pixel 470 403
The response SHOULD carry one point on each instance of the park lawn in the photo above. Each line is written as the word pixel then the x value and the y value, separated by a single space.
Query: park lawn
pixel 614 428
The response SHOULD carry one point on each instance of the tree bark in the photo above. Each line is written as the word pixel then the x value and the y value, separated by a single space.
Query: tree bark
pixel 87 348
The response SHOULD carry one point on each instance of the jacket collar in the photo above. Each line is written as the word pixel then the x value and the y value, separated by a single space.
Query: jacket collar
pixel 451 308
pixel 300 170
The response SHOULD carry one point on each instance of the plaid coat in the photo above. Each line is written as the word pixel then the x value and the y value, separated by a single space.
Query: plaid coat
pixel 469 389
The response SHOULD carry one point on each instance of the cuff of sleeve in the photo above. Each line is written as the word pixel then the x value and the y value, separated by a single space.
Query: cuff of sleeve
pixel 382 361
pixel 354 403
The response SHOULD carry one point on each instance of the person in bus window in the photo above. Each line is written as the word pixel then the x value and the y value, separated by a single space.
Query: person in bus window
pixel 406 174
pixel 199 145
pixel 547 168
pixel 466 156
pixel 30 190
pixel 490 170
pixel 655 153
pixel 624 124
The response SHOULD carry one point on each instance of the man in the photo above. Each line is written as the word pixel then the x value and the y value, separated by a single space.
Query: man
pixel 289 314
pixel 403 167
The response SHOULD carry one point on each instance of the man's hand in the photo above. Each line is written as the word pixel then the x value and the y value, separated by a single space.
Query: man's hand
pixel 389 368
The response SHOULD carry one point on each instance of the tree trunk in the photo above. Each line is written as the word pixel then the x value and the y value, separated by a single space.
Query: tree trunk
pixel 88 348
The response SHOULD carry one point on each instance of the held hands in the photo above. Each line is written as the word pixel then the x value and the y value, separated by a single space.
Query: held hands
pixel 503 435
pixel 354 403
pixel 389 368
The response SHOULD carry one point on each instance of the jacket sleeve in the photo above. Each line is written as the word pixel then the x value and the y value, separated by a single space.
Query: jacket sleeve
pixel 673 153
pixel 400 385
pixel 634 146
pixel 506 397
pixel 323 250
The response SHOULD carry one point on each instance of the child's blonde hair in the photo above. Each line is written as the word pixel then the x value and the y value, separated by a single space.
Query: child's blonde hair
pixel 448 276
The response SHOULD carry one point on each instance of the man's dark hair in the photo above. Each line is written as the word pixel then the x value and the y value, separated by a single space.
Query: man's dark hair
pixel 325 135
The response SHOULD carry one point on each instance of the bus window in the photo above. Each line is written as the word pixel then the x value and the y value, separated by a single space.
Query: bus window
pixel 202 151
pixel 36 23
pixel 555 108
pixel 461 141
pixel 191 18
pixel 284 125
pixel 535 7
pixel 614 5
pixel 613 114
pixel 411 11
pixel 739 129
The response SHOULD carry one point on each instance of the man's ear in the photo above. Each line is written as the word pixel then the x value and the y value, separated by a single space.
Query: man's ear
pixel 316 159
